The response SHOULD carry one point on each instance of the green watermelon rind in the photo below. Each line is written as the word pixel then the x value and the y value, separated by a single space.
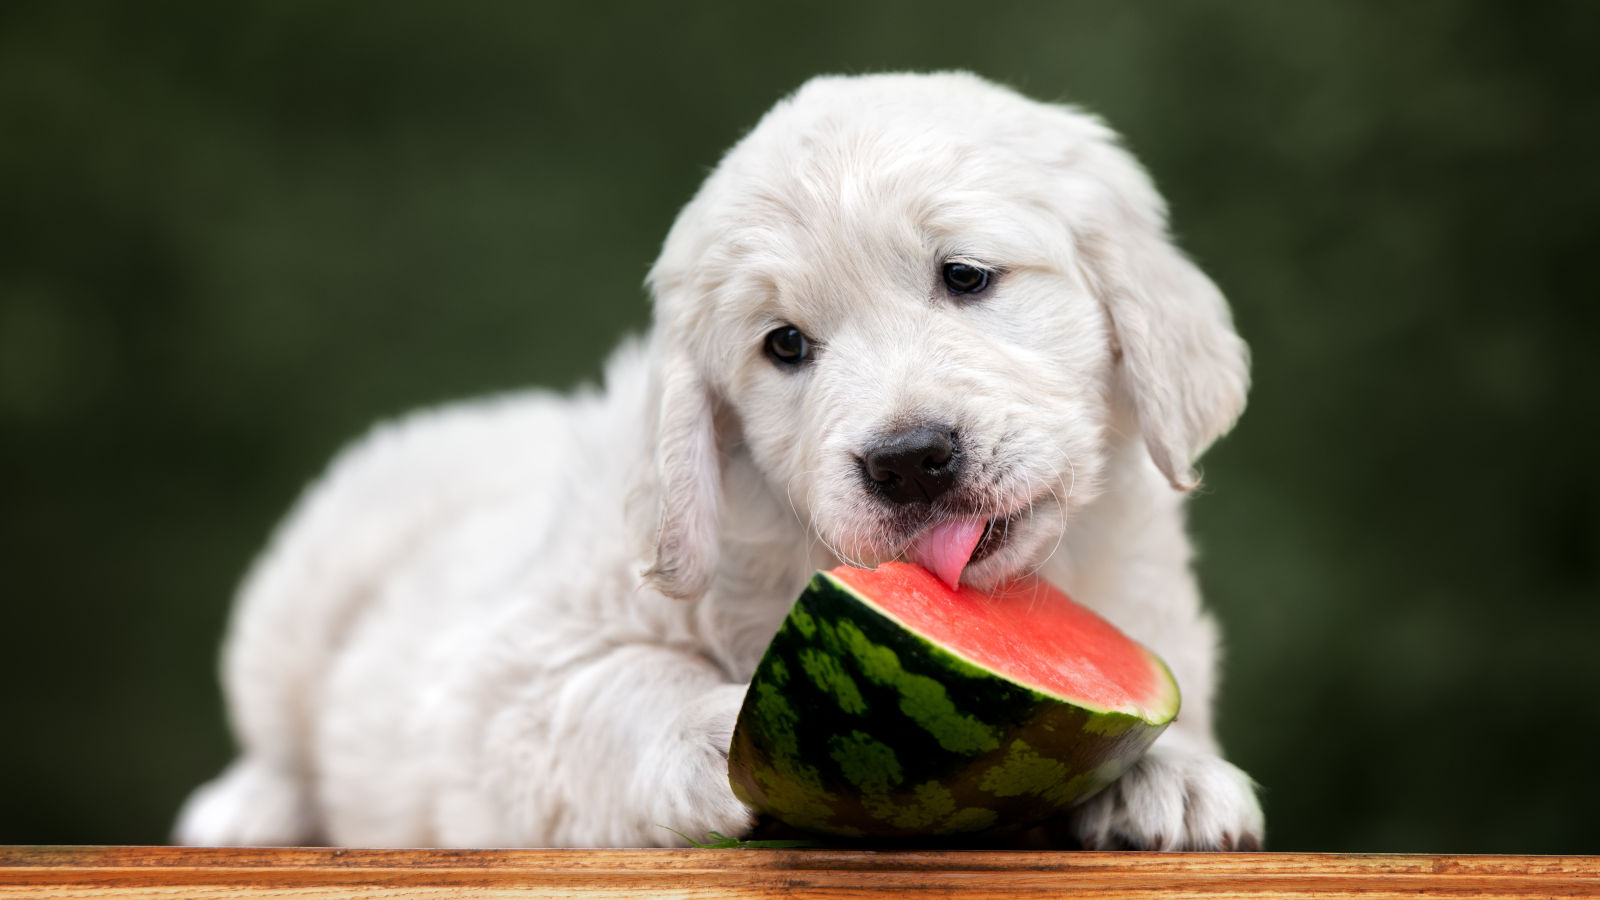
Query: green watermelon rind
pixel 844 684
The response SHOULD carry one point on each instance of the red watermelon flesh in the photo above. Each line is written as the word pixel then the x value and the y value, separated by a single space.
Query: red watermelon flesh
pixel 1027 631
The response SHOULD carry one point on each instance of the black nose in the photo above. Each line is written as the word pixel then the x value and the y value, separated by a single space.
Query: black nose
pixel 914 464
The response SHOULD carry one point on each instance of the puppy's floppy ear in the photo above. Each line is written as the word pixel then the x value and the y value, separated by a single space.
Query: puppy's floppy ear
pixel 688 475
pixel 1185 368
pixel 688 481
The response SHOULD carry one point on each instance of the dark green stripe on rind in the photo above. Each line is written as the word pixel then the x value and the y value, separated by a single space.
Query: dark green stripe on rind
pixel 855 726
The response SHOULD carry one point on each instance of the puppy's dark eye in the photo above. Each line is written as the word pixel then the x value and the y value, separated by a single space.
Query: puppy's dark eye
pixel 961 278
pixel 788 346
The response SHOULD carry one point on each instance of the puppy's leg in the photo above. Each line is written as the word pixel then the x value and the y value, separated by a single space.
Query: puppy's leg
pixel 612 752
pixel 1182 795
pixel 661 721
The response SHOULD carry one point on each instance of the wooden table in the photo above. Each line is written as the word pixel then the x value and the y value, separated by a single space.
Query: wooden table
pixel 171 872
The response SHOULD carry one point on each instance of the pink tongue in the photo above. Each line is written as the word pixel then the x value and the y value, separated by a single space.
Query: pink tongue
pixel 944 549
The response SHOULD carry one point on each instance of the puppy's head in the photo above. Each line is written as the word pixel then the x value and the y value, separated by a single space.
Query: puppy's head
pixel 918 303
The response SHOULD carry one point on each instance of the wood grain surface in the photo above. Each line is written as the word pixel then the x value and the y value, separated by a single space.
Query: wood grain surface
pixel 171 872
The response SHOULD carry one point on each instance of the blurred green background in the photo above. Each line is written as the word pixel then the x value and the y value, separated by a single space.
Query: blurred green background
pixel 232 235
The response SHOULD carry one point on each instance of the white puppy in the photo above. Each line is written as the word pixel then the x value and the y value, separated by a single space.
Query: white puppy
pixel 907 314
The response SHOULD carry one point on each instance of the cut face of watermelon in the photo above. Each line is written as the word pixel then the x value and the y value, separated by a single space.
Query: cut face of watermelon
pixel 1028 632
pixel 890 704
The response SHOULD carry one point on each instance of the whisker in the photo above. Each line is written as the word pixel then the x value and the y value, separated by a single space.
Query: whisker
pixel 1062 505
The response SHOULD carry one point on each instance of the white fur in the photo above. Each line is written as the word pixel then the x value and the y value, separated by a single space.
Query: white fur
pixel 527 620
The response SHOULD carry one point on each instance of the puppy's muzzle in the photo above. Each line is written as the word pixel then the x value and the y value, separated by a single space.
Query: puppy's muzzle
pixel 915 465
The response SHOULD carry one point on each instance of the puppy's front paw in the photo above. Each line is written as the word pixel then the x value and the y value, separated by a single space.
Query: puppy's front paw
pixel 700 799
pixel 1174 799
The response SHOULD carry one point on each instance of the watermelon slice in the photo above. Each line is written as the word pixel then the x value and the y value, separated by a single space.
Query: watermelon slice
pixel 891 705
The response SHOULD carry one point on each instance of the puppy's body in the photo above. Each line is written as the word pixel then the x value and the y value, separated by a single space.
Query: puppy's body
pixel 454 639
